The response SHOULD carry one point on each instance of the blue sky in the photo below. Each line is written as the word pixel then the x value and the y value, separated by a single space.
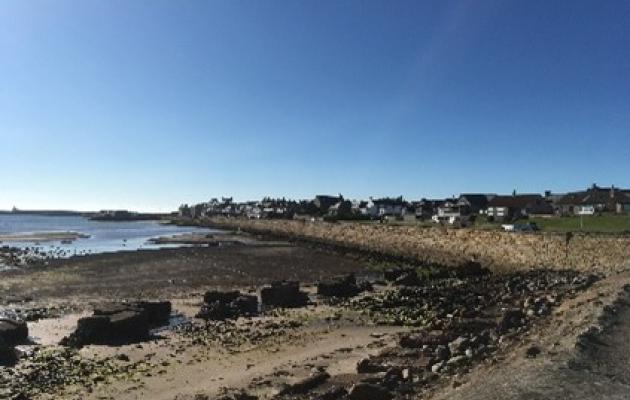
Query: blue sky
pixel 147 104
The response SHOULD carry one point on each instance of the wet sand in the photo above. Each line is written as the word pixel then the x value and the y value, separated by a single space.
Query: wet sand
pixel 42 237
pixel 171 272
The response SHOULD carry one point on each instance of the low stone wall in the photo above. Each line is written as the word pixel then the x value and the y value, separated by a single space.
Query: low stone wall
pixel 451 247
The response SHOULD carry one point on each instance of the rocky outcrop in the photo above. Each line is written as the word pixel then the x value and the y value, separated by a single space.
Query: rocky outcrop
pixel 461 322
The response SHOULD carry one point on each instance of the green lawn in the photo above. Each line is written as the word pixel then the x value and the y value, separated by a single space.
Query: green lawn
pixel 602 223
pixel 608 223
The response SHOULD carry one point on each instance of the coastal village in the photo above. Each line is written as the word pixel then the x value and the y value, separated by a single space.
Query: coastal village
pixel 268 305
pixel 315 200
pixel 459 211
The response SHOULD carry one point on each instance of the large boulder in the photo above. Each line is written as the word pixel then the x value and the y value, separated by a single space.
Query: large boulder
pixel 512 318
pixel 13 332
pixel 8 356
pixel 119 323
pixel 368 391
pixel 283 294
pixel 471 269
pixel 369 366
pixel 409 278
pixel 472 325
pixel 306 384
pixel 130 324
pixel 430 338
pixel 333 393
pixel 212 296
pixel 240 395
pixel 158 312
pixel 227 305
pixel 106 309
pixel 394 273
pixel 117 328
pixel 344 286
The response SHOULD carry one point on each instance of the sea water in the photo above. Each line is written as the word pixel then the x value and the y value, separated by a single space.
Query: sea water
pixel 104 236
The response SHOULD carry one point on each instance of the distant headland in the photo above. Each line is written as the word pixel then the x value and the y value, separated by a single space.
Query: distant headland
pixel 103 215
pixel 43 212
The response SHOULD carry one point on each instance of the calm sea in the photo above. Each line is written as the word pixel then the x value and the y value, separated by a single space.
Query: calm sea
pixel 104 236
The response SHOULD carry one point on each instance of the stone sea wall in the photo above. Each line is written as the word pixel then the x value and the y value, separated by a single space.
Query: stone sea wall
pixel 496 250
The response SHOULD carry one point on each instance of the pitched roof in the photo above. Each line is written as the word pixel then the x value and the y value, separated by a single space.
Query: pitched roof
pixel 397 201
pixel 477 200
pixel 596 195
pixel 516 201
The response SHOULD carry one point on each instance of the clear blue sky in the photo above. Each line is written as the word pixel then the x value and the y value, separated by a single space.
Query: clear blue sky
pixel 147 104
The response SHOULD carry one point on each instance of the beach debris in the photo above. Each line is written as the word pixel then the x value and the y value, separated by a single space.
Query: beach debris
pixel 220 305
pixel 284 294
pixel 232 334
pixel 35 313
pixel 51 370
pixel 341 286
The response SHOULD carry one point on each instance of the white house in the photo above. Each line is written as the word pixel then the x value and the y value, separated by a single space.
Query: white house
pixel 386 207
pixel 450 212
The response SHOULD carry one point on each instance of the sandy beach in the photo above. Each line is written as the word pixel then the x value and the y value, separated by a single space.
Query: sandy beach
pixel 330 347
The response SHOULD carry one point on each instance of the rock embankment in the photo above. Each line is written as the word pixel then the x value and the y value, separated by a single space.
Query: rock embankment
pixel 454 247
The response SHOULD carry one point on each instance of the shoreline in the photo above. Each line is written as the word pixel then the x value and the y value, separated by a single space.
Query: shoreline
pixel 352 340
